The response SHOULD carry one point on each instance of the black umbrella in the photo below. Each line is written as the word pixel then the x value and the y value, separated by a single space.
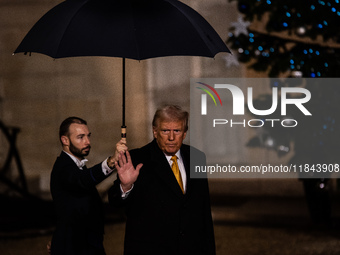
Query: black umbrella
pixel 135 29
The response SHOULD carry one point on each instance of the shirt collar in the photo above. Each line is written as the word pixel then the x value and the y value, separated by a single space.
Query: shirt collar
pixel 80 163
pixel 178 154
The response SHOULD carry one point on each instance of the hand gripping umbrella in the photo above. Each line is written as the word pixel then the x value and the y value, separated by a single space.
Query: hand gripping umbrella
pixel 134 29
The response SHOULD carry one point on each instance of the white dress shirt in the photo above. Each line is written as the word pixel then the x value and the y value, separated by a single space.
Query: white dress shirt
pixel 181 168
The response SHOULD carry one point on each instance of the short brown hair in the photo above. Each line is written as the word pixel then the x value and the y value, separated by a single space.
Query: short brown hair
pixel 171 113
pixel 65 125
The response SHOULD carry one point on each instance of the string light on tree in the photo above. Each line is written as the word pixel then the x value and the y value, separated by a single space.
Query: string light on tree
pixel 301 31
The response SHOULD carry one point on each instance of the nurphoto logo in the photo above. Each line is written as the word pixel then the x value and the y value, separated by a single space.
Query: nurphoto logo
pixel 265 127
pixel 302 96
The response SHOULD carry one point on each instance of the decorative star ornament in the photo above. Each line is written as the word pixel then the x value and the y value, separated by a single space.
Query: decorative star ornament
pixel 240 26
pixel 231 60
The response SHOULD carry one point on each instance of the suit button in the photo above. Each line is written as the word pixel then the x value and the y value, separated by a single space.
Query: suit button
pixel 181 233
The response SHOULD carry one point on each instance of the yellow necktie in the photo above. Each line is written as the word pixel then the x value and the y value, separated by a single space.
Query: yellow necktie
pixel 177 173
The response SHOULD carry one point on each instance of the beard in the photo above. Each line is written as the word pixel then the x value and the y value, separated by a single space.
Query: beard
pixel 80 153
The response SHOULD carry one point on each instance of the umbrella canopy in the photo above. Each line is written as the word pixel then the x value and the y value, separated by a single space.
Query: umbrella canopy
pixel 134 29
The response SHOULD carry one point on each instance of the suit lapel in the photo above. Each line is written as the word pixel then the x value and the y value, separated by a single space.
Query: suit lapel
pixel 163 170
pixel 185 153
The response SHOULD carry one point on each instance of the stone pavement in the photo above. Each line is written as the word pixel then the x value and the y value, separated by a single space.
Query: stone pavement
pixel 243 226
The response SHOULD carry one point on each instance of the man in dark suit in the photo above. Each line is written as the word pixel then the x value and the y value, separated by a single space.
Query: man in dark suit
pixel 167 212
pixel 78 206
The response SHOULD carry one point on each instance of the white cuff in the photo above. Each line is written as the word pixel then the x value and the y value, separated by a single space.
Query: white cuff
pixel 106 169
pixel 125 194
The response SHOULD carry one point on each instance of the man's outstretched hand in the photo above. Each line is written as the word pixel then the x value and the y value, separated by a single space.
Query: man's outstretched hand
pixel 126 171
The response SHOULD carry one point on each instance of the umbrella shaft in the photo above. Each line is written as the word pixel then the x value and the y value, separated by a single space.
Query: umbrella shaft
pixel 123 95
pixel 123 127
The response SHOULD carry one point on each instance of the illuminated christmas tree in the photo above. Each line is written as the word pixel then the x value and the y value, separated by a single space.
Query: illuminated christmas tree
pixel 291 37
pixel 296 38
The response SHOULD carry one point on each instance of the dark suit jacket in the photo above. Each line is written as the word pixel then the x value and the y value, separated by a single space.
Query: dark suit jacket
pixel 78 207
pixel 160 219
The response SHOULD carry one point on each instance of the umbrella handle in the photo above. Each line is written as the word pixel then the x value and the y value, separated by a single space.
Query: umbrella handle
pixel 123 133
